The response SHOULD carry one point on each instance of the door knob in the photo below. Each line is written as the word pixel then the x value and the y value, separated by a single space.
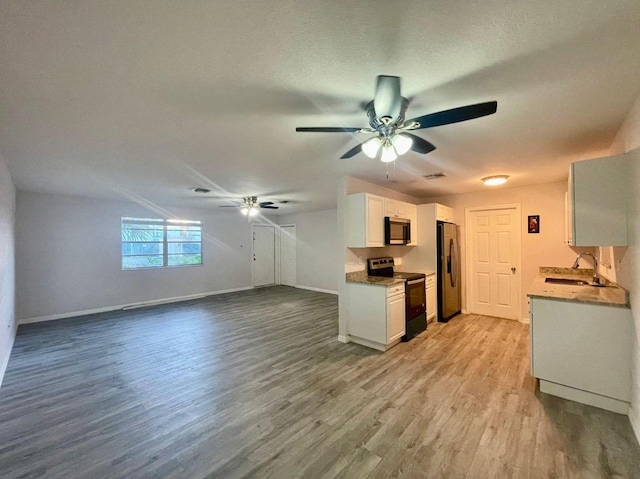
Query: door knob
pixel 513 269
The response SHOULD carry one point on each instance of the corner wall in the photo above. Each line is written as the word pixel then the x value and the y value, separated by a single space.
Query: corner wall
pixel 68 258
pixel 8 325
pixel 547 248
pixel 317 252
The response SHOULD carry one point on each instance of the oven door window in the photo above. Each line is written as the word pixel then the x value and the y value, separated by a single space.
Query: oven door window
pixel 415 298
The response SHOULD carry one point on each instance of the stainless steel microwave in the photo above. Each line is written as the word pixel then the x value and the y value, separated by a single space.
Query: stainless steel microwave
pixel 397 230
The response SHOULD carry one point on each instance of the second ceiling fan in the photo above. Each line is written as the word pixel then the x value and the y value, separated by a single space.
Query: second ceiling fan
pixel 386 114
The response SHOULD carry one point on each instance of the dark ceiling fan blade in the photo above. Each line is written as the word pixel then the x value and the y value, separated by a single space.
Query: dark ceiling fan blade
pixel 420 145
pixel 268 207
pixel 328 129
pixel 387 100
pixel 352 152
pixel 265 203
pixel 454 115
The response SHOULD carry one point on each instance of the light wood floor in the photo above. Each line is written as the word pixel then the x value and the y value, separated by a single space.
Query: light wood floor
pixel 255 384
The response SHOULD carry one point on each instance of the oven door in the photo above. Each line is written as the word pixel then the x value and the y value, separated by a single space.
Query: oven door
pixel 415 298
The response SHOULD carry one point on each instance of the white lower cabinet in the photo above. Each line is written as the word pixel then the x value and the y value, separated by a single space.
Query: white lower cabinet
pixel 376 315
pixel 430 290
pixel 395 317
pixel 582 352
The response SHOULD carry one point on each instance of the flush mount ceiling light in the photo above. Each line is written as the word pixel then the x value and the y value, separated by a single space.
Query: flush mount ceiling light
pixel 495 180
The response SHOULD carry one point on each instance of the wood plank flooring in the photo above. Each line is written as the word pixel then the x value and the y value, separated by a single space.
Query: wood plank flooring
pixel 255 385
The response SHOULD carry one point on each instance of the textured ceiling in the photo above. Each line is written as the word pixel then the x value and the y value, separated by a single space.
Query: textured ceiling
pixel 143 100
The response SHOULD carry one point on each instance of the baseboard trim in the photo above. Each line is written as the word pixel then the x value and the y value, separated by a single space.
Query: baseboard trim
pixel 343 339
pixel 318 290
pixel 5 360
pixel 120 307
pixel 635 423
pixel 585 397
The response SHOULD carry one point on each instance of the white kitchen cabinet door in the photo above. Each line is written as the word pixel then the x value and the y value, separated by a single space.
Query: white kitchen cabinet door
pixel 597 207
pixel 411 212
pixel 364 220
pixel 375 221
pixel 444 213
pixel 568 217
pixel 395 208
pixel 431 298
pixel 586 347
pixel 395 317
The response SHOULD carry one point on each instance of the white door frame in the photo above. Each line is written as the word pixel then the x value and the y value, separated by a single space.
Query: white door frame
pixel 468 248
pixel 276 260
pixel 279 251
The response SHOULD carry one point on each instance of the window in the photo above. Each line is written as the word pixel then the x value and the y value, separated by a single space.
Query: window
pixel 158 243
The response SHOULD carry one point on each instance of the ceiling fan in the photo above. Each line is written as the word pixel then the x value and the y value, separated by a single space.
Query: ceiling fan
pixel 386 114
pixel 250 206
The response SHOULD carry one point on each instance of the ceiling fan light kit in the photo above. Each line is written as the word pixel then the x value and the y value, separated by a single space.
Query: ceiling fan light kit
pixel 386 114
pixel 251 206
pixel 495 180
pixel 402 144
pixel 388 154
pixel 371 147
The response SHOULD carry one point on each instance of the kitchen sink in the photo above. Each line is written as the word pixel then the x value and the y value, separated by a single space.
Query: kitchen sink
pixel 573 282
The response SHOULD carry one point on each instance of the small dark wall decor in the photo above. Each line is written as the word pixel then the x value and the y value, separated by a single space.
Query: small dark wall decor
pixel 534 224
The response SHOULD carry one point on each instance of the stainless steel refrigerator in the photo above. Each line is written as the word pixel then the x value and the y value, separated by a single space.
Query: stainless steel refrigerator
pixel 449 295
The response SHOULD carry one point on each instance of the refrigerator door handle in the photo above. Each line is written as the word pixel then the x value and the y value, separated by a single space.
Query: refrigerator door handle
pixel 453 254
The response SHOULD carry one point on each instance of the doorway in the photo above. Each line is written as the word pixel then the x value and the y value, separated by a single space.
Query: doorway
pixel 264 255
pixel 493 243
pixel 288 255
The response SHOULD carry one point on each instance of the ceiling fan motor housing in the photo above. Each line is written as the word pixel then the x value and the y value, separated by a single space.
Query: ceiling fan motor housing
pixel 386 125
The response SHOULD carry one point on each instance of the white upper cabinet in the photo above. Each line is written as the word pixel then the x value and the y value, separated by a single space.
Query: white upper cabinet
pixel 596 202
pixel 444 213
pixel 395 208
pixel 412 215
pixel 364 221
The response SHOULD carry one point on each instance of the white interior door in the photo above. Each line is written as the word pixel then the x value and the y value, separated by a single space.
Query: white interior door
pixel 288 255
pixel 493 245
pixel 264 255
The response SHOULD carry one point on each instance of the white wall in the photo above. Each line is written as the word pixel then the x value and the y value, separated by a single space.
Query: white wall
pixel 318 256
pixel 68 256
pixel 546 248
pixel 628 274
pixel 7 266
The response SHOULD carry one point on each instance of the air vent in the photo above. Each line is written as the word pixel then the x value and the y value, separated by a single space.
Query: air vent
pixel 200 190
pixel 435 175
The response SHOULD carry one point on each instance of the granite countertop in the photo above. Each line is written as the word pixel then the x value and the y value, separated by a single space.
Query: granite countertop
pixel 612 294
pixel 363 277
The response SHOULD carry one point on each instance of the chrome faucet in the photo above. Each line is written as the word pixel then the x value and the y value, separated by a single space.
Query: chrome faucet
pixel 596 278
